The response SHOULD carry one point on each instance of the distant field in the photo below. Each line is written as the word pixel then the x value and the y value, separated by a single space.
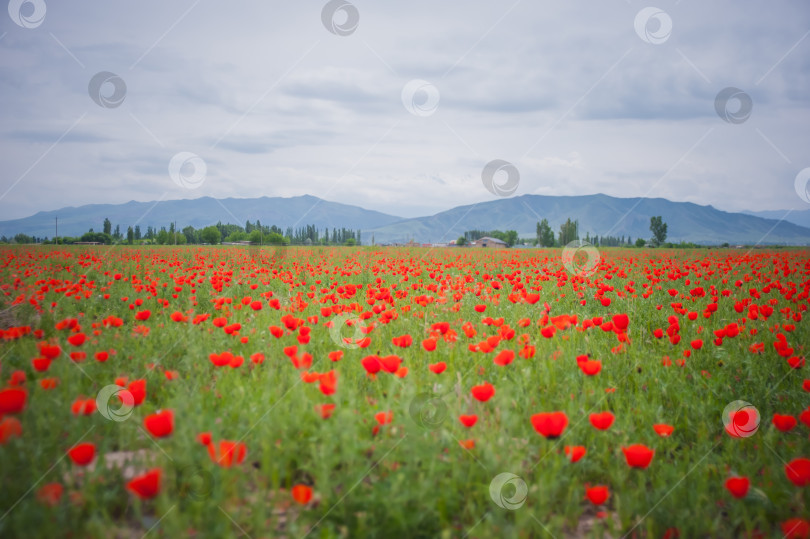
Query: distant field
pixel 336 392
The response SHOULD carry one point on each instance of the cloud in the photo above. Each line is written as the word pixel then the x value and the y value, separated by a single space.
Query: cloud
pixel 276 105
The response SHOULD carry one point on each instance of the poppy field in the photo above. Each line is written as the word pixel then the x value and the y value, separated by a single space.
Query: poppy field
pixel 372 392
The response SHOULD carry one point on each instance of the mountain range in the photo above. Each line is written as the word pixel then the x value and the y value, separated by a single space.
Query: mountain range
pixel 597 215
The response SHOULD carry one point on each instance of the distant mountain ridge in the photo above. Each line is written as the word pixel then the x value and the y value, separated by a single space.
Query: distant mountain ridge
pixel 798 217
pixel 597 215
pixel 199 213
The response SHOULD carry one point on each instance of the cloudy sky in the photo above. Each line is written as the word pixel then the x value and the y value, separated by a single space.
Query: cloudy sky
pixel 400 106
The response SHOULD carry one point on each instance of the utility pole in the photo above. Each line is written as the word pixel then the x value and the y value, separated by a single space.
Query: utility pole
pixel 57 229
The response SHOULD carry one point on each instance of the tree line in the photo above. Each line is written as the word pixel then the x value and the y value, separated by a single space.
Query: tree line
pixel 569 231
pixel 256 233
pixel 259 234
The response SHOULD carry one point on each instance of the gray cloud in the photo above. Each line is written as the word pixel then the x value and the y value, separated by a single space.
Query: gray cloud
pixel 278 106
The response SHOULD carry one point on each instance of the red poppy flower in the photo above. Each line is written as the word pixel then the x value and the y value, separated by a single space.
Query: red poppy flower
pixel 663 430
pixel 226 452
pixel 138 390
pixel 620 322
pixel 550 424
pixel 575 452
pixel 795 528
pixel 160 424
pixel 743 423
pixel 220 360
pixel 384 418
pixel 504 357
pixel 10 427
pixel 147 485
pixel 468 420
pixel 590 367
pixel 41 364
pixel 83 406
pixel 467 444
pixel 17 378
pixel 484 392
pixel 437 368
pixel 50 494
pixel 598 494
pixel 798 471
pixel 204 438
pixel 429 344
pixel 328 382
pixel 302 494
pixel 49 383
pixel 325 410
pixel 77 339
pixel 796 362
pixel 738 486
pixel 336 355
pixel 236 362
pixel 276 331
pixel 638 455
pixel 480 308
pixel 50 351
pixel 82 454
pixel 602 420
pixel 12 400
pixel 784 423
pixel 804 417
pixel 390 363
pixel 403 342
pixel 548 332
pixel 371 364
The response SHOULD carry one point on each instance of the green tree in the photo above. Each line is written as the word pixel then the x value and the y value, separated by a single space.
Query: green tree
pixel 107 226
pixel 163 237
pixel 510 237
pixel 659 229
pixel 23 238
pixel 256 236
pixel 461 241
pixel 545 236
pixel 235 236
pixel 130 235
pixel 568 231
pixel 351 242
pixel 190 235
pixel 274 238
pixel 640 242
pixel 137 232
pixel 99 237
pixel 211 235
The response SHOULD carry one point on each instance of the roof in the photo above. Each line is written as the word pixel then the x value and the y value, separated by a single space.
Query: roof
pixel 487 238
